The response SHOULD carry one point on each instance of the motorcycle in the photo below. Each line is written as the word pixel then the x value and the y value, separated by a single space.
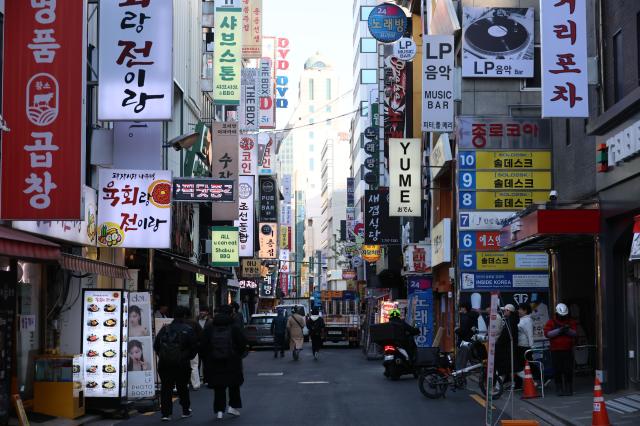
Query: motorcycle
pixel 397 362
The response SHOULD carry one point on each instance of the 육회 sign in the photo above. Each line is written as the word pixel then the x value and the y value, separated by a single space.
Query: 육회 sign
pixel 227 53
pixel 387 23
pixel 224 246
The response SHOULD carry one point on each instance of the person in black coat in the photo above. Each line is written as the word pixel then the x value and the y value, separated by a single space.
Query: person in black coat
pixel 315 325
pixel 222 347
pixel 279 331
pixel 507 342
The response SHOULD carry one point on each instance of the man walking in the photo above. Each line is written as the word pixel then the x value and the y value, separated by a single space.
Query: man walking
pixel 175 345
pixel 278 331
pixel 315 324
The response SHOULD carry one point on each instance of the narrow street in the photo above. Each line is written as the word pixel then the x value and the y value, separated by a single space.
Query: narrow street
pixel 341 388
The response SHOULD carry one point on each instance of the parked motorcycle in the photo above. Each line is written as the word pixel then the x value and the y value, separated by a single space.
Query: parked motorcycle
pixel 397 362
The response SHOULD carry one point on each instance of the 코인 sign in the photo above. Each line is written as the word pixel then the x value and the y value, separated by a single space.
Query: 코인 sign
pixel 387 23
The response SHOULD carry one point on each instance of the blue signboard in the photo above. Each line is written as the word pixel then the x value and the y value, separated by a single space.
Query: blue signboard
pixel 423 320
pixel 504 281
pixel 387 23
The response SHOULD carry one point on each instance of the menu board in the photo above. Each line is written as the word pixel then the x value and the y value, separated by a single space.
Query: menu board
pixel 104 343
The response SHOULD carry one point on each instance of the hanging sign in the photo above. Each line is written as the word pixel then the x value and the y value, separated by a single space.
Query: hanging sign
pixel 500 200
pixel 438 54
pixel 134 208
pixel 203 190
pixel 405 49
pixel 140 366
pixel 282 71
pixel 246 215
pixel 371 252
pixel 503 261
pixel 405 170
pixel 136 145
pixel 267 289
pixel 440 155
pixel 227 53
pixel 265 153
pixel 135 62
pixel 43 104
pixel 251 29
pixel 268 192
pixel 493 133
pixel 248 146
pixel 224 164
pixel 504 180
pixel 250 268
pixel 380 227
pixel 387 23
pixel 479 220
pixel 441 243
pixel 249 101
pixel 520 160
pixel 224 246
pixel 268 238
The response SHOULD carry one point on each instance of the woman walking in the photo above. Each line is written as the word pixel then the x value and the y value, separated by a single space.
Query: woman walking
pixel 315 324
pixel 295 329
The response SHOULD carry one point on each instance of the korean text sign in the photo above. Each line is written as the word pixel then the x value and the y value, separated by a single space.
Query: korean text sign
pixel 251 28
pixel 246 214
pixel 224 164
pixel 437 83
pixel 136 60
pixel 405 187
pixel 268 240
pixel 224 246
pixel 248 154
pixel 249 101
pixel 43 102
pixel 134 208
pixel 227 52
pixel 565 89
pixel 202 190
pixel 268 192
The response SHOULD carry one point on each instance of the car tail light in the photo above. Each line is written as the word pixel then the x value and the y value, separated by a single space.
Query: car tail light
pixel 389 348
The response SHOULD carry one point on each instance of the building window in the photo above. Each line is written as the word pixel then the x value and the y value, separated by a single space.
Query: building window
pixel 311 89
pixel 311 164
pixel 328 108
pixel 368 76
pixel 311 147
pixel 618 66
pixel 368 45
pixel 364 12
pixel 364 109
pixel 310 135
pixel 312 120
pixel 328 88
pixel 312 108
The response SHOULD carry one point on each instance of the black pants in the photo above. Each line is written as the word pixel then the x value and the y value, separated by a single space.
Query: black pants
pixel 563 367
pixel 279 343
pixel 220 397
pixel 179 378
pixel 316 343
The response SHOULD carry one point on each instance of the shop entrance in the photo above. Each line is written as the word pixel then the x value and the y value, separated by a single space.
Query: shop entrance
pixel 632 317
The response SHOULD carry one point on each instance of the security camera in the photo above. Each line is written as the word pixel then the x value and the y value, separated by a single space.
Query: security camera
pixel 553 195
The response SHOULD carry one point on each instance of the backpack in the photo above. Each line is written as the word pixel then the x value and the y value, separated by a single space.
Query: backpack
pixel 221 342
pixel 172 346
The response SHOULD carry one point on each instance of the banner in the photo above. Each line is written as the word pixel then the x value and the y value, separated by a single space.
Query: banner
pixel 135 60
pixel 251 29
pixel 265 153
pixel 227 53
pixel 438 73
pixel 405 177
pixel 249 101
pixel 134 208
pixel 282 73
pixel 268 240
pixel 284 237
pixel 224 246
pixel 248 154
pixel 246 215
pixel 563 41
pixel 43 104
pixel 395 101
pixel 140 366
pixel 224 163
pixel 268 192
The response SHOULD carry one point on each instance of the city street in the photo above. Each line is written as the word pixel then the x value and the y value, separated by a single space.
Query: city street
pixel 341 388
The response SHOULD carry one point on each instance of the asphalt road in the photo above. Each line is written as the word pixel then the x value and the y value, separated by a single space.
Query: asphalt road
pixel 341 388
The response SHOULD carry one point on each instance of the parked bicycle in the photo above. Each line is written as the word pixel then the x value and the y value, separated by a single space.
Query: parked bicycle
pixel 437 371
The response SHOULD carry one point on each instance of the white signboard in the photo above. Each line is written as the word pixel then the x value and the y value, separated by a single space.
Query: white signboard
pixel 405 49
pixel 248 151
pixel 497 42
pixel 265 153
pixel 77 231
pixel 135 60
pixel 134 208
pixel 405 166
pixel 441 243
pixel 286 188
pixel 440 155
pixel 483 220
pixel 565 83
pixel 438 56
pixel 285 214
pixel 249 101
pixel 140 365
pixel 137 145
pixel 246 213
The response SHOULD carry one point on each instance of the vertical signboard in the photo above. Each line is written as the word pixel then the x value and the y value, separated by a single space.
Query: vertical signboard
pixel 565 89
pixel 268 192
pixel 265 153
pixel 395 101
pixel 248 145
pixel 441 242
pixel 227 53
pixel 140 365
pixel 405 170
pixel 246 215
pixel 43 103
pixel 438 56
pixel 224 164
pixel 249 101
pixel 135 60
pixel 224 246
pixel 268 239
pixel 251 29
pixel 380 228
pixel 282 73
pixel 267 82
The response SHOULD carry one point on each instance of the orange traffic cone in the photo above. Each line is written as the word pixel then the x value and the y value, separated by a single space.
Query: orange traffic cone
pixel 600 416
pixel 529 387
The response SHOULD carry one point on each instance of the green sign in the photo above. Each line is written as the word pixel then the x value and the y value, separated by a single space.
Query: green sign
pixel 196 161
pixel 224 246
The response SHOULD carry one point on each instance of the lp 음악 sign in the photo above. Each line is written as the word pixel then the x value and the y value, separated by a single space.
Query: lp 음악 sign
pixel 405 188
pixel 437 83
pixel 224 246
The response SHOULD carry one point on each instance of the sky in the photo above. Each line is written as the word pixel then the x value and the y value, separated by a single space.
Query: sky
pixel 325 26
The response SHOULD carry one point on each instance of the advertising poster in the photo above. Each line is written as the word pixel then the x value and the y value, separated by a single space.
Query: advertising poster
pixel 268 196
pixel 251 29
pixel 395 102
pixel 268 240
pixel 203 190
pixel 225 163
pixel 248 146
pixel 224 246
pixel 249 101
pixel 140 365
pixel 227 53
pixel 134 208
pixel 405 171
pixel 43 104
pixel 438 73
pixel 135 61
pixel 246 215
pixel 497 42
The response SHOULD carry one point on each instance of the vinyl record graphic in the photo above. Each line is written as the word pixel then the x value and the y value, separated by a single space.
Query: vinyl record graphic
pixel 497 35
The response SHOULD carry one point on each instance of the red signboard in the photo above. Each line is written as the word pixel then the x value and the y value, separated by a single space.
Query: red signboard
pixel 42 163
pixel 487 240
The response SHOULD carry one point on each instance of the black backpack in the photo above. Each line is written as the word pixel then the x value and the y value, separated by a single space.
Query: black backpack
pixel 221 342
pixel 173 342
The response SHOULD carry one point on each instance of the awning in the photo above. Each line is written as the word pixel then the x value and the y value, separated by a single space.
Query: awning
pixel 81 264
pixel 548 228
pixel 200 269
pixel 21 245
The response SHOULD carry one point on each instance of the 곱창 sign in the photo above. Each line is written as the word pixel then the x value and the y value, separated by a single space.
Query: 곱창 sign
pixel 387 23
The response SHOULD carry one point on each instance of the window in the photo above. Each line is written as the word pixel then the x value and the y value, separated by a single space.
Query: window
pixel 312 108
pixel 618 66
pixel 364 109
pixel 311 147
pixel 328 108
pixel 310 135
pixel 311 164
pixel 368 45
pixel 364 12
pixel 310 89
pixel 312 120
pixel 368 76
pixel 534 83
pixel 328 89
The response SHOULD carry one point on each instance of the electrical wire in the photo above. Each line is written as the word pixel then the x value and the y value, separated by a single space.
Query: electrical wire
pixel 315 124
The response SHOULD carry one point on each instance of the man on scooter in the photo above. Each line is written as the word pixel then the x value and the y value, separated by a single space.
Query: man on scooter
pixel 408 343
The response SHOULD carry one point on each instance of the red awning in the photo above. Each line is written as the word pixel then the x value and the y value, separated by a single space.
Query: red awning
pixel 21 245
pixel 80 264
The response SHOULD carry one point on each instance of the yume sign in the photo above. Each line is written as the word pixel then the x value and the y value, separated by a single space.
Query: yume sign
pixel 134 208
pixel 227 59
pixel 135 60
pixel 405 166
pixel 371 252
pixel 43 103
pixel 224 246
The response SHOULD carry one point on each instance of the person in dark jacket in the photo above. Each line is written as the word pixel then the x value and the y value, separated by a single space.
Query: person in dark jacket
pixel 507 342
pixel 222 347
pixel 279 331
pixel 176 345
pixel 195 371
pixel 315 325
pixel 237 315
pixel 468 323
pixel 408 342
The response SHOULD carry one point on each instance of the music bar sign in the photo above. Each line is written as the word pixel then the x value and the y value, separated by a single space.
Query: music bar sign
pixel 437 83
pixel 202 190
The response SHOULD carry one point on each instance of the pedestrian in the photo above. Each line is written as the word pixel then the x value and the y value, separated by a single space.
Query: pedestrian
pixel 222 348
pixel 176 345
pixel 315 325
pixel 237 315
pixel 561 332
pixel 194 363
pixel 161 312
pixel 525 341
pixel 507 342
pixel 295 330
pixel 465 331
pixel 204 318
pixel 278 331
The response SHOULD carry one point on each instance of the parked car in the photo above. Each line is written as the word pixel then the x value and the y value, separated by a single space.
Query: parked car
pixel 258 331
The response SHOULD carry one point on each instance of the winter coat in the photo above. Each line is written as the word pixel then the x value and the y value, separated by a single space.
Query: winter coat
pixel 559 340
pixel 315 324
pixel 189 346
pixel 507 340
pixel 525 332
pixel 295 326
pixel 279 326
pixel 226 372
pixel 468 321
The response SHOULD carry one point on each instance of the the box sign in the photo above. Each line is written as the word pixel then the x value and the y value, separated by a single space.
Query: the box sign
pixel 268 239
pixel 563 40
pixel 249 101
pixel 224 246
pixel 246 214
pixel 135 60
pixel 438 73
pixel 203 190
pixel 440 155
pixel 134 208
pixel 503 261
pixel 371 252
pixel 250 268
pixel 497 42
pixel 405 177
pixel 481 220
pixel 251 29
pixel 500 200
pixel 441 242
pixel 497 160
pixel 405 49
pixel 503 133
pixel 387 23
pixel 470 180
pixel 227 53
pixel 43 104
pixel 504 281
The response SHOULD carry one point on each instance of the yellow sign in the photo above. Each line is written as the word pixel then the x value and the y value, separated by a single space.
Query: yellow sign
pixel 227 55
pixel 250 268
pixel 284 237
pixel 506 261
pixel 501 200
pixel 371 253
pixel 224 246
pixel 510 180
pixel 526 160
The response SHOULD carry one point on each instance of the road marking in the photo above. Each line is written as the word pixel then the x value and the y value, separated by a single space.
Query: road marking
pixel 620 406
pixel 477 398
pixel 149 413
pixel 628 401
pixel 271 374
pixel 314 383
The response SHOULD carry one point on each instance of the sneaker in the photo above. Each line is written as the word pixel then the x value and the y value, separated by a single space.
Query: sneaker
pixel 166 419
pixel 233 411
pixel 219 415
pixel 188 413
pixel 315 356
